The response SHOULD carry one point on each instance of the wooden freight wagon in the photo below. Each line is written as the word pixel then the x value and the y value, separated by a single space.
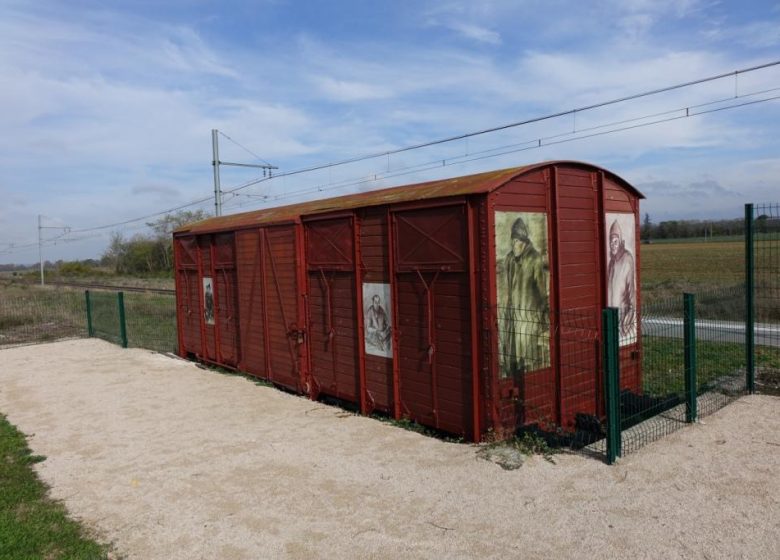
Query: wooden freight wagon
pixel 468 305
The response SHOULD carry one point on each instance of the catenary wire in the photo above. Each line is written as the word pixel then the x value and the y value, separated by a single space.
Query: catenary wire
pixel 648 93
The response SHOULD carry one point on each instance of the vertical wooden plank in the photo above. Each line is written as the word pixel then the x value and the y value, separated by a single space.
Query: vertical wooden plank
pixel 391 251
pixel 553 225
pixel 473 278
pixel 301 350
pixel 358 273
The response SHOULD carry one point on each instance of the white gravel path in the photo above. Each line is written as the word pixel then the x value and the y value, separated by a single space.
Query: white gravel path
pixel 170 461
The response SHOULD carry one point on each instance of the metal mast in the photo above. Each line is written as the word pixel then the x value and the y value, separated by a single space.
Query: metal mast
pixel 40 247
pixel 216 163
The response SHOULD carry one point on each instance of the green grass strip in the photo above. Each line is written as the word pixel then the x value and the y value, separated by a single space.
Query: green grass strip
pixel 32 525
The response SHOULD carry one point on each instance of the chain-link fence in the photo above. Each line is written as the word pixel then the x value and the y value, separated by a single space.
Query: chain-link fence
pixel 29 315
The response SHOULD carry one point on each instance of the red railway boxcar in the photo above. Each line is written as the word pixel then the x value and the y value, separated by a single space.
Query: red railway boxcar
pixel 470 305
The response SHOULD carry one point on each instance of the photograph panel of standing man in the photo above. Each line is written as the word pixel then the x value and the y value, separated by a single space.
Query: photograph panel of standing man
pixel 208 301
pixel 377 323
pixel 621 273
pixel 523 287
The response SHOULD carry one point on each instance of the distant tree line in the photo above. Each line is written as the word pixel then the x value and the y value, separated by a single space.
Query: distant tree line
pixel 684 229
pixel 148 254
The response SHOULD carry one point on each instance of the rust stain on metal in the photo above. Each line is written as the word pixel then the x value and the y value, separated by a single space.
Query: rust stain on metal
pixel 469 184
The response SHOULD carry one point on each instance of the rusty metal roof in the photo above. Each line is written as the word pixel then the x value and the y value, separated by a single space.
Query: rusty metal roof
pixel 456 186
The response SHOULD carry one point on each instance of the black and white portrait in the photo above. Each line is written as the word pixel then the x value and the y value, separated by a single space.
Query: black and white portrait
pixel 208 301
pixel 621 273
pixel 376 320
pixel 523 292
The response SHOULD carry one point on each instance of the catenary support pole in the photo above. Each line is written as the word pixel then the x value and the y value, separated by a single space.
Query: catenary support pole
pixel 40 248
pixel 215 163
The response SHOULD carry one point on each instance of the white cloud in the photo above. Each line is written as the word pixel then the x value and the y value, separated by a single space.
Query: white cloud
pixel 104 105
pixel 348 90
pixel 475 32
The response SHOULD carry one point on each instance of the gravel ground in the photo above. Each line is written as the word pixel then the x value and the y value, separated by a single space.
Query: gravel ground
pixel 166 460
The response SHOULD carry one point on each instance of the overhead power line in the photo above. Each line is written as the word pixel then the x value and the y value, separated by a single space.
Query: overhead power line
pixel 538 143
pixel 516 124
pixel 494 152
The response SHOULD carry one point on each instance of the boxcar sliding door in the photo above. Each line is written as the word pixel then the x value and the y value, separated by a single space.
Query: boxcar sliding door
pixel 430 261
pixel 332 307
pixel 226 298
pixel 284 334
pixel 188 312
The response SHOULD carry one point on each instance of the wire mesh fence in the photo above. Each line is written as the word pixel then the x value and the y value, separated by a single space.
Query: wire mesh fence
pixel 32 315
pixel 766 278
pixel 691 360
pixel 29 315
pixel 653 411
pixel 135 319
pixel 104 317
pixel 707 341
pixel 552 362
pixel 151 321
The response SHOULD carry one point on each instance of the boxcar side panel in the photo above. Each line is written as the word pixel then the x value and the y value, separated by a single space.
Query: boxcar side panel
pixel 280 286
pixel 188 308
pixel 432 286
pixel 617 200
pixel 209 334
pixel 332 321
pixel 226 288
pixel 250 301
pixel 579 292
pixel 374 266
pixel 530 396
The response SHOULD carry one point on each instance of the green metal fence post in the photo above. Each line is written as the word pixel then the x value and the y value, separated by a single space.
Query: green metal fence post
pixel 120 299
pixel 609 323
pixel 90 329
pixel 750 287
pixel 689 328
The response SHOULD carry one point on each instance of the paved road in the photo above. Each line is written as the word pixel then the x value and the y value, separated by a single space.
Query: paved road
pixel 722 331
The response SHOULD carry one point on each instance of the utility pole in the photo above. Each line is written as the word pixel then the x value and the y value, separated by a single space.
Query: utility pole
pixel 41 227
pixel 216 163
pixel 40 247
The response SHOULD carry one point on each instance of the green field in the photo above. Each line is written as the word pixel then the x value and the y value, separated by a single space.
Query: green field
pixel 669 269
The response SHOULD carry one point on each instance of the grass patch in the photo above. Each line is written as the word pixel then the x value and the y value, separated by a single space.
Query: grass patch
pixel 31 314
pixel 32 525
pixel 663 363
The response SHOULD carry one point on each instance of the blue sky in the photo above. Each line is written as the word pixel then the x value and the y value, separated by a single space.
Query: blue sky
pixel 107 107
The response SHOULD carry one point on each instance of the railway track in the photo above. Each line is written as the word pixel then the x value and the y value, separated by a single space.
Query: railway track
pixel 165 291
